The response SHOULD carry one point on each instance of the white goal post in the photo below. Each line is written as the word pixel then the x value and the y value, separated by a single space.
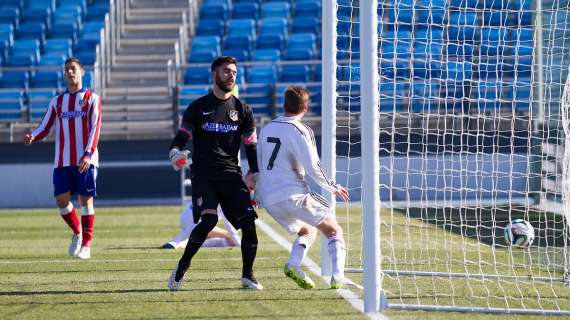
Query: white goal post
pixel 448 119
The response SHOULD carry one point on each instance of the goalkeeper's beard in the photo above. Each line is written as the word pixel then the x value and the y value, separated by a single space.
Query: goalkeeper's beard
pixel 223 86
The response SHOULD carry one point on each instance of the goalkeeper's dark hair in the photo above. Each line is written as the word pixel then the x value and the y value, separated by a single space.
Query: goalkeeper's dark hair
pixel 222 60
pixel 73 60
pixel 295 99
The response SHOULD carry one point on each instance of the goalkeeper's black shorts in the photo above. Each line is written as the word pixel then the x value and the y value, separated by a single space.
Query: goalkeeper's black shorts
pixel 232 195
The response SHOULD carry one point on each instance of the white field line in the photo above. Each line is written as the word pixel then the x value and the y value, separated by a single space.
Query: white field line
pixel 95 260
pixel 348 295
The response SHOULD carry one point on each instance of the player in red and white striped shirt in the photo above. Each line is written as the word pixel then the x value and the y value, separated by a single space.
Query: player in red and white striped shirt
pixel 75 116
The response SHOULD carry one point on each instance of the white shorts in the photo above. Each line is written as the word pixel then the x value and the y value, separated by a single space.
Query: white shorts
pixel 309 208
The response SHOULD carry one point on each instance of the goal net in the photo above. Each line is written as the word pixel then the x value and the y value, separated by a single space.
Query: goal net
pixel 471 137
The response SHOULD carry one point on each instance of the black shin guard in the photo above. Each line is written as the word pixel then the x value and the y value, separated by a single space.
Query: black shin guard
pixel 248 248
pixel 197 238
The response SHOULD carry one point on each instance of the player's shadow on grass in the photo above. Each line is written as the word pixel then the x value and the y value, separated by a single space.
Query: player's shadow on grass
pixel 487 225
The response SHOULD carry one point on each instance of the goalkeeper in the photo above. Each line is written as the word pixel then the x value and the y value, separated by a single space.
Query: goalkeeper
pixel 218 237
pixel 217 124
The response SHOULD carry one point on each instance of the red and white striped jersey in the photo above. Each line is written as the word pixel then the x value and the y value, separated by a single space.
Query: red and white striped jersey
pixel 77 121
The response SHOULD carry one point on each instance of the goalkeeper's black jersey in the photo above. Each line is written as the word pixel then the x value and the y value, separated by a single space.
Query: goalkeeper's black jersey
pixel 217 128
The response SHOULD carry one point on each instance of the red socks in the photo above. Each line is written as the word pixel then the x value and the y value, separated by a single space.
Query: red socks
pixel 87 226
pixel 72 221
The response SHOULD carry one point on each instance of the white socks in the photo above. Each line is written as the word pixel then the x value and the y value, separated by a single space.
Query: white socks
pixel 299 250
pixel 337 251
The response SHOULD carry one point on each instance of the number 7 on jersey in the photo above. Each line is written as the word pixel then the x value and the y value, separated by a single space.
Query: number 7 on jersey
pixel 275 151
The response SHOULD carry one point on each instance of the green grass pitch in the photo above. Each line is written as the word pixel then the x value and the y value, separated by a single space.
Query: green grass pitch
pixel 127 276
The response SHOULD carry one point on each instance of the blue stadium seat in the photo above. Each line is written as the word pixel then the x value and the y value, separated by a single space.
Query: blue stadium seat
pixel 302 41
pixel 240 76
pixel 14 79
pixel 26 46
pixel 40 15
pixel 305 25
pixel 97 12
pixel 21 60
pixel 7 33
pixel 266 55
pixel 393 96
pixel 308 9
pixel 318 73
pixel 197 75
pixel 426 36
pixel 465 3
pixel 426 69
pixel 245 11
pixel 430 12
pixel 64 30
pixel 19 4
pixel 263 74
pixel 401 13
pixel 295 73
pixel 458 71
pixel 202 56
pixel 10 15
pixel 238 54
pixel 396 50
pixel 187 95
pixel 239 42
pixel 522 42
pixel 214 11
pixel 58 46
pixel 70 13
pixel 493 41
pixel 260 97
pixel 395 69
pixel 275 10
pixel 241 27
pixel 46 79
pixel 271 41
pixel 460 51
pixel 31 30
pixel 206 43
pixel 88 79
pixel 462 26
pixel 53 59
pixel 228 3
pixel 87 58
pixel 496 18
pixel 39 100
pixel 42 4
pixel 12 105
pixel 299 54
pixel 424 95
pixel 82 4
pixel 208 27
pixel 273 26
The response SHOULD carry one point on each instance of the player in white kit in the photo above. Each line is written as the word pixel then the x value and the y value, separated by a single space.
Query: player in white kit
pixel 286 152
pixel 218 237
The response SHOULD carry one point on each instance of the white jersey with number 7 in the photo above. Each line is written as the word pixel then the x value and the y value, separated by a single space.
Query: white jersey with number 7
pixel 286 151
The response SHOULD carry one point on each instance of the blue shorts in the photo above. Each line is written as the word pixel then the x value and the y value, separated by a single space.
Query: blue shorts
pixel 68 179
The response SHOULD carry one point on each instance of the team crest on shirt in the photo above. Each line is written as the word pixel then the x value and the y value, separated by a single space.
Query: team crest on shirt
pixel 199 201
pixel 233 115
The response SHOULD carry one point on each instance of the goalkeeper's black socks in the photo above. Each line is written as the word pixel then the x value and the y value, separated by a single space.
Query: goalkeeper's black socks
pixel 197 238
pixel 248 248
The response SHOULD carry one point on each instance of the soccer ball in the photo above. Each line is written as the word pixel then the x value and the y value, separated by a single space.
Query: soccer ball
pixel 519 233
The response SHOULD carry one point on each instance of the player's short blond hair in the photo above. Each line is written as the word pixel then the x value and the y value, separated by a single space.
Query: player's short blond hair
pixel 295 99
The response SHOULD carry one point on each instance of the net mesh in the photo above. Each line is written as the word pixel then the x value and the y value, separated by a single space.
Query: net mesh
pixel 471 138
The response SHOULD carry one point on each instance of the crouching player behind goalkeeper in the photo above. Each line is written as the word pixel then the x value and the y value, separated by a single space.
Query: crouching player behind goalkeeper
pixel 218 237
pixel 217 124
